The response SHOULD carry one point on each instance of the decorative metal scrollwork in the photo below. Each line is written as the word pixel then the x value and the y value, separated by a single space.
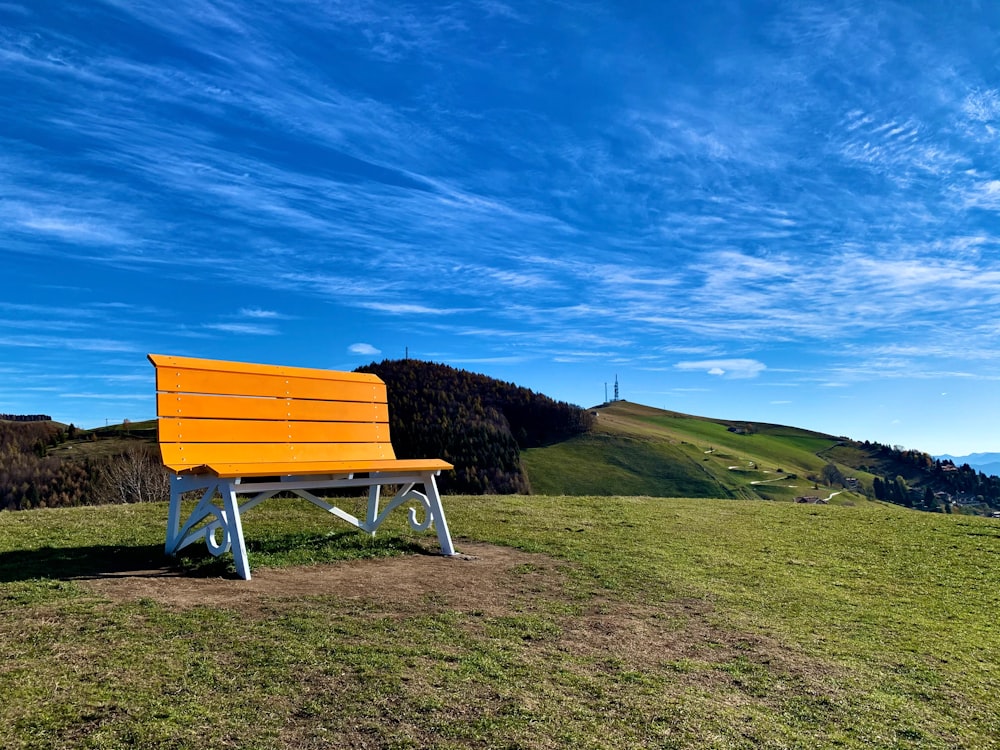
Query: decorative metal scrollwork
pixel 408 495
pixel 422 500
pixel 215 545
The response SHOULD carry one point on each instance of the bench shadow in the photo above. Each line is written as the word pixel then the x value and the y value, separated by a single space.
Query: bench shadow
pixel 94 561
pixel 150 561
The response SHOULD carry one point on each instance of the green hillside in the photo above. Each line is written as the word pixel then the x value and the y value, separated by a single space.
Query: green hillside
pixel 635 449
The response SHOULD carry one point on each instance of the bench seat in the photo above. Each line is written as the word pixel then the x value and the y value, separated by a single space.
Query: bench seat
pixel 303 468
pixel 232 429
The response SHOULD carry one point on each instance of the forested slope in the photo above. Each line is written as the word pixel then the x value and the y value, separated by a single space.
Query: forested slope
pixel 476 422
pixel 30 477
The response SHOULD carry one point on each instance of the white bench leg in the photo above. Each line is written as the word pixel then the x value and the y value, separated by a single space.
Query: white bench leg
pixel 371 515
pixel 228 523
pixel 173 516
pixel 177 533
pixel 234 525
pixel 437 510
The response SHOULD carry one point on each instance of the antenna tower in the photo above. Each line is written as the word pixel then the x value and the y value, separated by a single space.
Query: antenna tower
pixel 616 388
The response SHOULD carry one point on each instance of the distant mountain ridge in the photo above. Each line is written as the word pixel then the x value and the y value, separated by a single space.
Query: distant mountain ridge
pixel 988 463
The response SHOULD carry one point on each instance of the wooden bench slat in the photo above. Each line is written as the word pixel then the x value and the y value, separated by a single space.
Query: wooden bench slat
pixel 182 454
pixel 248 384
pixel 304 468
pixel 224 366
pixel 194 431
pixel 246 407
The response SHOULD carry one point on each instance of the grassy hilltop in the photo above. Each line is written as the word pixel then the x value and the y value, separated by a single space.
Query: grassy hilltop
pixel 586 622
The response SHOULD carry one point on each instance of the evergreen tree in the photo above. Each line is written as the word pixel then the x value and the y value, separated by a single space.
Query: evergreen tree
pixel 878 488
pixel 903 492
pixel 929 500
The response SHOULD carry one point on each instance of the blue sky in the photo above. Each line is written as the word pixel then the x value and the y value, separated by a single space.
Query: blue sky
pixel 768 211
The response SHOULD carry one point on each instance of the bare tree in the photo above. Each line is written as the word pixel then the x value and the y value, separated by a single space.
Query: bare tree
pixel 135 475
pixel 832 475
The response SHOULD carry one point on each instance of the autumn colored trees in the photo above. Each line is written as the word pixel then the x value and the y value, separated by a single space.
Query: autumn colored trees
pixel 29 477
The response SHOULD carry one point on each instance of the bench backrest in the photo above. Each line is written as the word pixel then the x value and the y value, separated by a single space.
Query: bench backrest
pixel 213 412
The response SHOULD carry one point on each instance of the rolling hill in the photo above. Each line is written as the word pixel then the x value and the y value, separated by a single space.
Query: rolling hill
pixel 636 449
pixel 639 450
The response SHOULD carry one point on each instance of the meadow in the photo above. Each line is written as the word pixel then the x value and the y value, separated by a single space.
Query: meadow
pixel 591 622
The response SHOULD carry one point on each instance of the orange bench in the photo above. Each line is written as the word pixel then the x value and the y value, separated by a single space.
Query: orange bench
pixel 232 429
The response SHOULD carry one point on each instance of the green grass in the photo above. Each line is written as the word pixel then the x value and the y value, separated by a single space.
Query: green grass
pixel 646 623
pixel 602 464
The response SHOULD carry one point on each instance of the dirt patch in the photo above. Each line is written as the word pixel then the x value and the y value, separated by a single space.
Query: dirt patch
pixel 484 578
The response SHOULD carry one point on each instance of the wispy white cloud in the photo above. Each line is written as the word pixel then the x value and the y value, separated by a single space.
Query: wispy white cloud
pixel 982 105
pixel 366 349
pixel 729 368
pixel 258 313
pixel 68 343
pixel 105 396
pixel 979 116
pixel 243 329
pixel 406 308
pixel 45 325
pixel 983 194
pixel 76 231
